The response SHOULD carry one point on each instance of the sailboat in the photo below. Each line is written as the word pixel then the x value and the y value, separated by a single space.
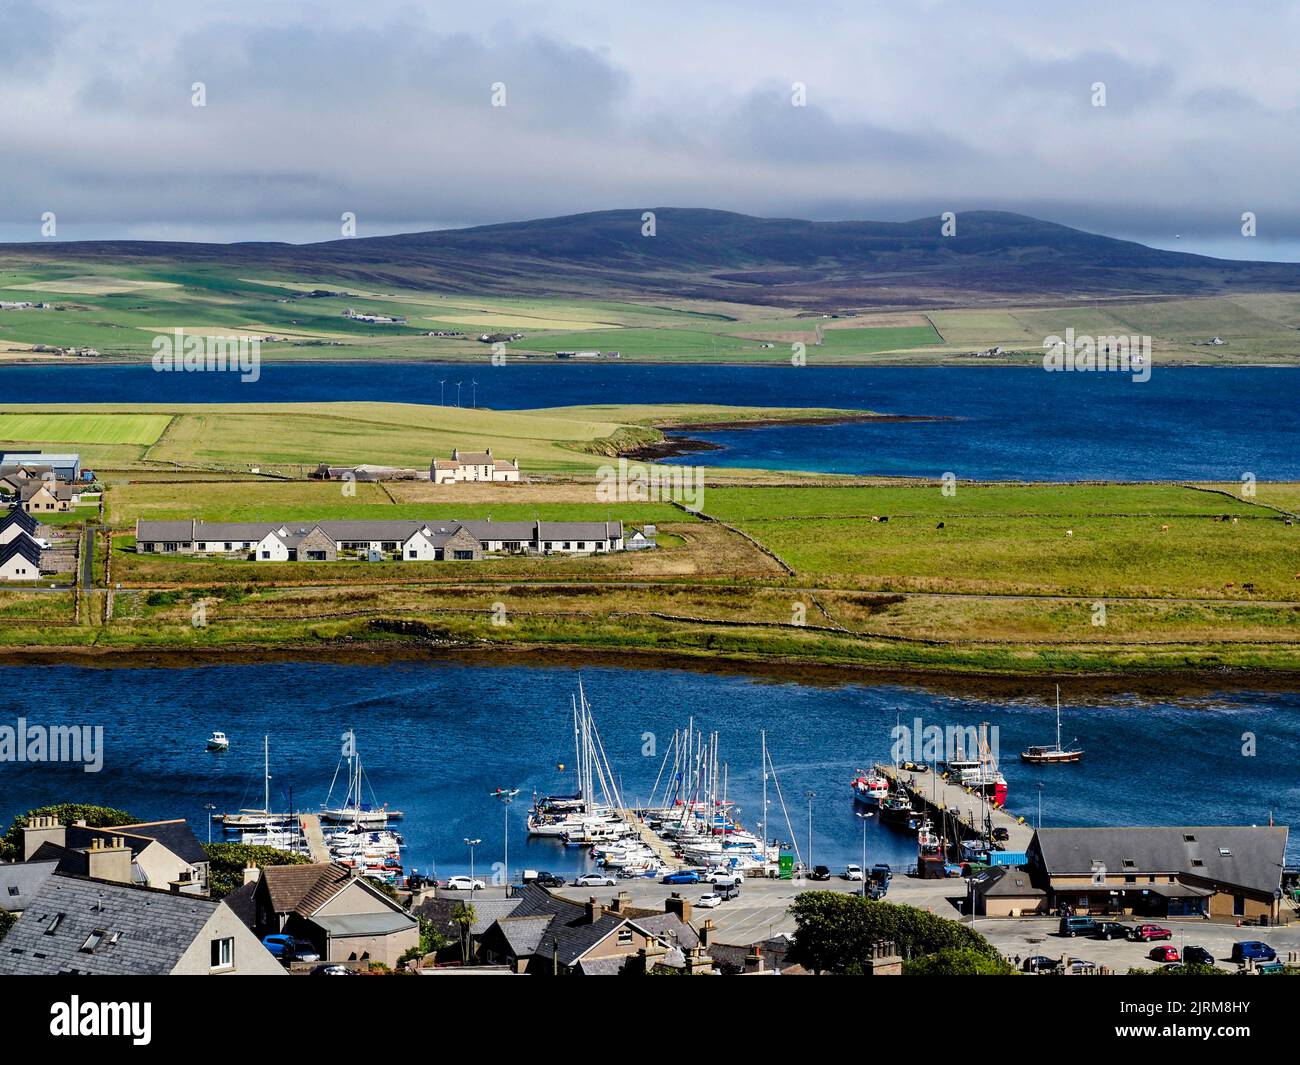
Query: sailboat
pixel 581 815
pixel 1054 754
pixel 265 817
pixel 354 811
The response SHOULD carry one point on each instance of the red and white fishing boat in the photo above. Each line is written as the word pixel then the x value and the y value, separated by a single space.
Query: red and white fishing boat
pixel 870 787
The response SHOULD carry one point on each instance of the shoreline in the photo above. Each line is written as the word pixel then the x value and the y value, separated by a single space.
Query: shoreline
pixel 1144 683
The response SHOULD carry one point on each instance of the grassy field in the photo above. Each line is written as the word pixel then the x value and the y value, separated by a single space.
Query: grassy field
pixel 119 309
pixel 294 438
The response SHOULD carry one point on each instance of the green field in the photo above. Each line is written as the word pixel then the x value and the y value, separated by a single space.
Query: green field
pixel 119 309
pixel 293 438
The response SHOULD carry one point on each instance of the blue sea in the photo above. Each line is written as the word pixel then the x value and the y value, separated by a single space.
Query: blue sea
pixel 999 422
pixel 437 738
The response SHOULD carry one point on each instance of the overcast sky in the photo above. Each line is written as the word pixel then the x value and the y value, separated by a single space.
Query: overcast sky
pixel 385 110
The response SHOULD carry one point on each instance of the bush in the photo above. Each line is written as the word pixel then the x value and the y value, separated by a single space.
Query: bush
pixel 957 963
pixel 228 861
pixel 836 933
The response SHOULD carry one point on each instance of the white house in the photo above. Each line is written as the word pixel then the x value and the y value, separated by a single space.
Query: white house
pixel 473 466
pixel 20 559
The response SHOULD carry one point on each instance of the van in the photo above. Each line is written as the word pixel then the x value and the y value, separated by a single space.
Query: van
pixel 1076 926
pixel 1252 950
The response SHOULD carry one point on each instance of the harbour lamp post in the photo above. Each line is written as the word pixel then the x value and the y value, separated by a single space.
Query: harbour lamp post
pixel 506 797
pixel 1040 804
pixel 209 807
pixel 864 818
pixel 811 795
pixel 471 844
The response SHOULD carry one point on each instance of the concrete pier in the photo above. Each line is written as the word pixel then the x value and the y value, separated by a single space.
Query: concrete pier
pixel 961 805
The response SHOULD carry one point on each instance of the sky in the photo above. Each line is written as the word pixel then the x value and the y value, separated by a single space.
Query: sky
pixel 816 110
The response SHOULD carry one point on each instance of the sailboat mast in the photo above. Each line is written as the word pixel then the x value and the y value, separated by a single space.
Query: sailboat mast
pixel 266 774
pixel 762 738
pixel 1058 717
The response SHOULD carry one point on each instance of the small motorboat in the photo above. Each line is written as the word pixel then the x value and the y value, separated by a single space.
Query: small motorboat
pixel 218 742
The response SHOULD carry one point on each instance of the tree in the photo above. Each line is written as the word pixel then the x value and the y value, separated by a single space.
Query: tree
pixel 431 941
pixel 951 962
pixel 1179 970
pixel 227 862
pixel 7 920
pixel 464 916
pixel 67 813
pixel 837 933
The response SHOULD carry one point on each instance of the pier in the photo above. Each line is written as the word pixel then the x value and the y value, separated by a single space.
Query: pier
pixel 945 800
pixel 660 847
pixel 315 837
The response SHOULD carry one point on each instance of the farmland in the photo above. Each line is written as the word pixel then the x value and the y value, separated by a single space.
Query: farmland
pixel 118 310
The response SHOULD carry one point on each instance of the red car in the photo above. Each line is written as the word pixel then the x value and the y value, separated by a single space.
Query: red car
pixel 1164 954
pixel 1145 932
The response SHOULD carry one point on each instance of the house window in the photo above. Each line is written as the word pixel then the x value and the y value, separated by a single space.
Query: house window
pixel 1224 852
pixel 266 553
pixel 1197 863
pixel 223 953
pixel 230 547
pixel 1238 905
pixel 92 941
pixel 411 553
pixel 1189 838
pixel 53 926
pixel 13 889
pixel 1129 863
pixel 463 554
pixel 624 937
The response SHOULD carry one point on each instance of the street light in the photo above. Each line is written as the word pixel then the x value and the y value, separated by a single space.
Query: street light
pixel 471 844
pixel 208 806
pixel 864 818
pixel 506 796
pixel 811 795
pixel 1040 804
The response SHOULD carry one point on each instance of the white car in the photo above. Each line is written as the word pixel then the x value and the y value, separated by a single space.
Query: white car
pixel 595 880
pixel 725 876
pixel 709 901
pixel 853 872
pixel 463 883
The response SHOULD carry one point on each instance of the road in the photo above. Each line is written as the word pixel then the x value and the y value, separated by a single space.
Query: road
pixel 88 559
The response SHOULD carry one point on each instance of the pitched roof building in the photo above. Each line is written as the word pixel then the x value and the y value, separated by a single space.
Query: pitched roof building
pixel 472 466
pixel 1230 871
pixel 77 925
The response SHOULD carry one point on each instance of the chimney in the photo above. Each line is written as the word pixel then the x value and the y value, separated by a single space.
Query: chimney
pixel 109 859
pixel 754 962
pixel 706 933
pixel 43 830
pixel 593 910
pixel 252 874
pixel 675 903
pixel 621 903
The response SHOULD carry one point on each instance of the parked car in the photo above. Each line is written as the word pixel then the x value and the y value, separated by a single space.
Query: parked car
pixel 1039 964
pixel 726 892
pixel 332 970
pixel 852 872
pixel 545 879
pixel 686 876
pixel 882 873
pixel 725 876
pixel 1165 953
pixel 595 880
pixel 708 900
pixel 1110 930
pixel 288 949
pixel 1144 933
pixel 820 872
pixel 463 883
pixel 1252 950
pixel 1198 956
pixel 1000 834
pixel 1076 926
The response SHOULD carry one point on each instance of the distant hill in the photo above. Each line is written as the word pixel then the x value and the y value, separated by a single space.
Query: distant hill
pixel 994 256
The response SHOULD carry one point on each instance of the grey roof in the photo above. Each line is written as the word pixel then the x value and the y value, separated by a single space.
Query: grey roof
pixel 579 530
pixel 1006 880
pixel 156 928
pixel 176 836
pixel 669 927
pixel 20 881
pixel 22 545
pixel 151 531
pixel 524 934
pixel 365 924
pixel 18 516
pixel 1244 856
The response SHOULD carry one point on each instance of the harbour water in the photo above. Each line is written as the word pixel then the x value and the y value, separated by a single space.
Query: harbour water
pixel 437 738
pixel 1195 423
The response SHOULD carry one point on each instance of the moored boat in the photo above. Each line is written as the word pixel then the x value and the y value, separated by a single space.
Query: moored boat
pixel 1055 753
